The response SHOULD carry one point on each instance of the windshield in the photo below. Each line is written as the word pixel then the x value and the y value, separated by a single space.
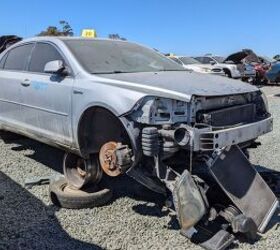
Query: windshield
pixel 189 60
pixel 219 59
pixel 108 57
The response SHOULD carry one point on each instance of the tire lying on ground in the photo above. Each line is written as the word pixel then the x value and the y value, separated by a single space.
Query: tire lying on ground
pixel 63 196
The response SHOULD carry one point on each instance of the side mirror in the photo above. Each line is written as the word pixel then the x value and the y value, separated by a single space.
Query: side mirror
pixel 212 62
pixel 54 67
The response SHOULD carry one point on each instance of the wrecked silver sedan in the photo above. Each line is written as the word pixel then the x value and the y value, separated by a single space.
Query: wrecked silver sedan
pixel 116 107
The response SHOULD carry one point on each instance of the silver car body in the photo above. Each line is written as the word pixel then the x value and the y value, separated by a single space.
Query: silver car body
pixel 48 110
pixel 188 111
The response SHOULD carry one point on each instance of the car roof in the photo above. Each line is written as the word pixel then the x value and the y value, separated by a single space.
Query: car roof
pixel 63 38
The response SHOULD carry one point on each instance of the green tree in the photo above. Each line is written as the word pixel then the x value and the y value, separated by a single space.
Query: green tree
pixel 116 36
pixel 64 30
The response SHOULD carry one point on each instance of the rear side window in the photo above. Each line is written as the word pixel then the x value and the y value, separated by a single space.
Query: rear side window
pixel 41 55
pixel 18 57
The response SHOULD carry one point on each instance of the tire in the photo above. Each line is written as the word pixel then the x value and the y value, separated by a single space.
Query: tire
pixel 63 196
pixel 228 73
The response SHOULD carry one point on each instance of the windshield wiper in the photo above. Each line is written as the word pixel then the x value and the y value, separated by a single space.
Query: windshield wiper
pixel 112 72
pixel 166 70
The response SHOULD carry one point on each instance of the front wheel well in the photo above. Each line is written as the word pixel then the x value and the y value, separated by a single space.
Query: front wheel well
pixel 98 126
pixel 227 72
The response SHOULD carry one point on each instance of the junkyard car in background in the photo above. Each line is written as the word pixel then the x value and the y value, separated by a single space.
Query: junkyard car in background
pixel 273 74
pixel 192 64
pixel 230 69
pixel 243 60
pixel 116 107
pixel 276 57
pixel 262 66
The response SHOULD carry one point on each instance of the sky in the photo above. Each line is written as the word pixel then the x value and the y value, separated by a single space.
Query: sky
pixel 183 27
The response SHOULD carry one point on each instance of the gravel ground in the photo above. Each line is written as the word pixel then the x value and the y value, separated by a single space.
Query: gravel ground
pixel 131 221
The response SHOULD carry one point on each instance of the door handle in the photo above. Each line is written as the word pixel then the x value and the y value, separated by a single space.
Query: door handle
pixel 77 92
pixel 26 83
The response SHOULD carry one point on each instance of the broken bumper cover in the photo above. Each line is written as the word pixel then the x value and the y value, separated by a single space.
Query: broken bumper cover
pixel 201 138
pixel 210 140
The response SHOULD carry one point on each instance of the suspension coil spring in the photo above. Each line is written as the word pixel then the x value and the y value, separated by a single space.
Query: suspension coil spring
pixel 150 141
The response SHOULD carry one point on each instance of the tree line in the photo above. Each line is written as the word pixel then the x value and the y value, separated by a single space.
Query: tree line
pixel 65 29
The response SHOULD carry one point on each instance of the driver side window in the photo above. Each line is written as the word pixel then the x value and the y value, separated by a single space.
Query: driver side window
pixel 41 55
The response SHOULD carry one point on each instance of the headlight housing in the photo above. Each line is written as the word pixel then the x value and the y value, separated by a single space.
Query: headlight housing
pixel 158 111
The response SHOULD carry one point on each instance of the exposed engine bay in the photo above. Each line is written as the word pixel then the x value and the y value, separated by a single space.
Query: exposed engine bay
pixel 194 152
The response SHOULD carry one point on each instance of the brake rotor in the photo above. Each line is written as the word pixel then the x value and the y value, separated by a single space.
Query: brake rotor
pixel 108 159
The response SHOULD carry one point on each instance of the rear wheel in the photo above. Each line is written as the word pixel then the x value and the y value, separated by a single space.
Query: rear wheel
pixel 228 73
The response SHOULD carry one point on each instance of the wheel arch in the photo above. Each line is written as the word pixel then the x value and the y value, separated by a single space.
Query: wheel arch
pixel 226 70
pixel 99 124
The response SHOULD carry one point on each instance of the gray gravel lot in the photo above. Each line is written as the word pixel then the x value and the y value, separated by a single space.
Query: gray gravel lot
pixel 131 221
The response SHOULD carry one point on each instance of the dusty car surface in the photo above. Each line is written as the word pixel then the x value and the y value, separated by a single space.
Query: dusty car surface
pixel 117 107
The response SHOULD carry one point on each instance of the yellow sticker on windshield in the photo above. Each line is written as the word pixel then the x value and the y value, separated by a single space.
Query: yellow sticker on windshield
pixel 89 33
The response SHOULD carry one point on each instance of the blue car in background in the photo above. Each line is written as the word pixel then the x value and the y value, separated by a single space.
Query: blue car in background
pixel 273 74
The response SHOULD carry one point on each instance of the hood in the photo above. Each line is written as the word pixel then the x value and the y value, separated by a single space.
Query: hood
pixel 246 54
pixel 180 83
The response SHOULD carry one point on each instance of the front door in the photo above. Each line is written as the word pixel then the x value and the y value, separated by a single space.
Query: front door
pixel 46 98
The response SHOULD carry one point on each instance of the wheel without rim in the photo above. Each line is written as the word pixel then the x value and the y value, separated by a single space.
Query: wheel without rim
pixel 62 195
pixel 80 172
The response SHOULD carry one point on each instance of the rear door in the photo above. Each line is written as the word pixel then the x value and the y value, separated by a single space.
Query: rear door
pixel 13 66
pixel 46 101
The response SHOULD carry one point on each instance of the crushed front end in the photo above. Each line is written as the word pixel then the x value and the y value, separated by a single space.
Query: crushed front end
pixel 193 152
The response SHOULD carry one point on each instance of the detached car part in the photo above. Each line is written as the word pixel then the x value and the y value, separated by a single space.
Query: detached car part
pixel 244 186
pixel 80 172
pixel 62 195
pixel 189 203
